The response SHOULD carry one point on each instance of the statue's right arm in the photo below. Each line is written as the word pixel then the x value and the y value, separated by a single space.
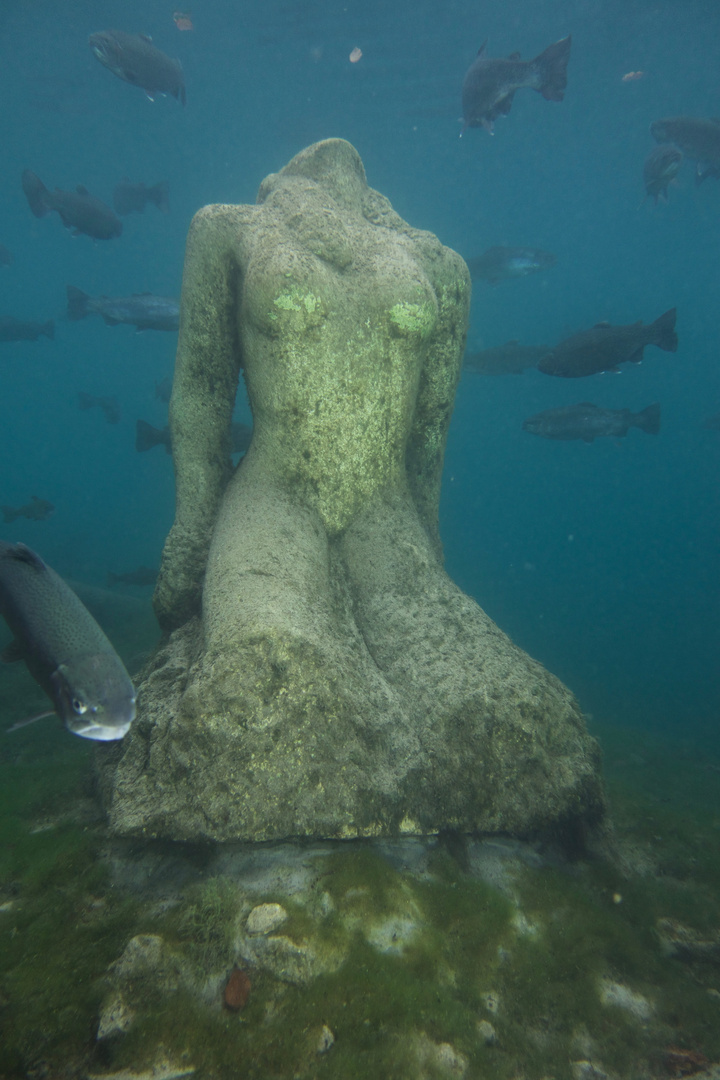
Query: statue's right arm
pixel 204 386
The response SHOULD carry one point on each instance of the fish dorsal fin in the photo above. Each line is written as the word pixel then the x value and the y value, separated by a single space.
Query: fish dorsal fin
pixel 481 50
pixel 12 653
pixel 601 325
pixel 82 190
pixel 514 56
pixel 145 37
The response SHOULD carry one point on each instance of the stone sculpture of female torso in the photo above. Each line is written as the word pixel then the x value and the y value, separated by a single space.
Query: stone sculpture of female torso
pixel 323 676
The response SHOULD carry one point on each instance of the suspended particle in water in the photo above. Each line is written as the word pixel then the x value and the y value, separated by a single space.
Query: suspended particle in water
pixel 183 20
pixel 355 55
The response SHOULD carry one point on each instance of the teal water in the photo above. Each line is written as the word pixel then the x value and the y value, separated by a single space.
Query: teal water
pixel 602 561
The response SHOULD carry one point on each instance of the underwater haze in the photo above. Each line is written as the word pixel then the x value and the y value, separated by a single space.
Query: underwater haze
pixel 405 958
pixel 600 559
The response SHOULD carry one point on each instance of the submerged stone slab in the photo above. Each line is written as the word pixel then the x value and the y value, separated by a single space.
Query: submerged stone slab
pixel 321 675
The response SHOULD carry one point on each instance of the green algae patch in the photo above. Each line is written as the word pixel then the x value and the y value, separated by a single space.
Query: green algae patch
pixel 296 300
pixel 410 318
pixel 411 954
pixel 62 924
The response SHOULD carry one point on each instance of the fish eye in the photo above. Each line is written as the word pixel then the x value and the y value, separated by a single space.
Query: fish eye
pixel 79 706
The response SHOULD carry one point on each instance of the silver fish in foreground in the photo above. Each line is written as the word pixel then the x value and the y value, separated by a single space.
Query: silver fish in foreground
pixel 65 650
pixel 587 422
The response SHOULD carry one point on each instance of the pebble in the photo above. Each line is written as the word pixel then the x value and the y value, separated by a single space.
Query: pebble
pixel 325 1041
pixel 265 918
pixel 487 1032
pixel 115 1019
pixel 237 990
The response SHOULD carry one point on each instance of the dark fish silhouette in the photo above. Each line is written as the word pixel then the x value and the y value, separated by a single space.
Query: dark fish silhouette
pixel 35 510
pixel 141 575
pixel 147 437
pixel 508 359
pixel 606 346
pixel 660 168
pixel 489 86
pixel 698 139
pixel 6 256
pixel 163 389
pixel 500 263
pixel 587 422
pixel 143 310
pixel 108 405
pixel 64 648
pixel 19 330
pixel 78 210
pixel 133 198
pixel 134 58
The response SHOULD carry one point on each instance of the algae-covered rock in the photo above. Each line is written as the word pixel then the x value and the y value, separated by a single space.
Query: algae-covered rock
pixel 322 675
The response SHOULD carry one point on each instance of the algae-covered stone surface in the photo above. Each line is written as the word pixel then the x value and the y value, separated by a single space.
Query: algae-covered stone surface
pixel 410 958
pixel 321 675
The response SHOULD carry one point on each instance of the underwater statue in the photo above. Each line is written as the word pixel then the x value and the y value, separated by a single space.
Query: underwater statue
pixel 321 675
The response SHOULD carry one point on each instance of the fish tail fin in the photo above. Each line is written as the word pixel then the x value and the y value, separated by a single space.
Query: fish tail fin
pixel 147 436
pixel 78 303
pixel 648 420
pixel 49 329
pixel 551 66
pixel 9 513
pixel 664 328
pixel 160 195
pixel 36 193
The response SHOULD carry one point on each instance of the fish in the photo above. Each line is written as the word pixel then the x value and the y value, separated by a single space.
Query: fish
pixel 587 422
pixel 163 389
pixel 35 510
pixel 6 256
pixel 512 358
pixel 698 139
pixel 143 310
pixel 108 405
pixel 604 347
pixel 489 86
pixel 147 436
pixel 141 575
pixel 500 263
pixel 133 198
pixel 65 650
pixel 134 58
pixel 78 210
pixel 20 330
pixel 660 169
